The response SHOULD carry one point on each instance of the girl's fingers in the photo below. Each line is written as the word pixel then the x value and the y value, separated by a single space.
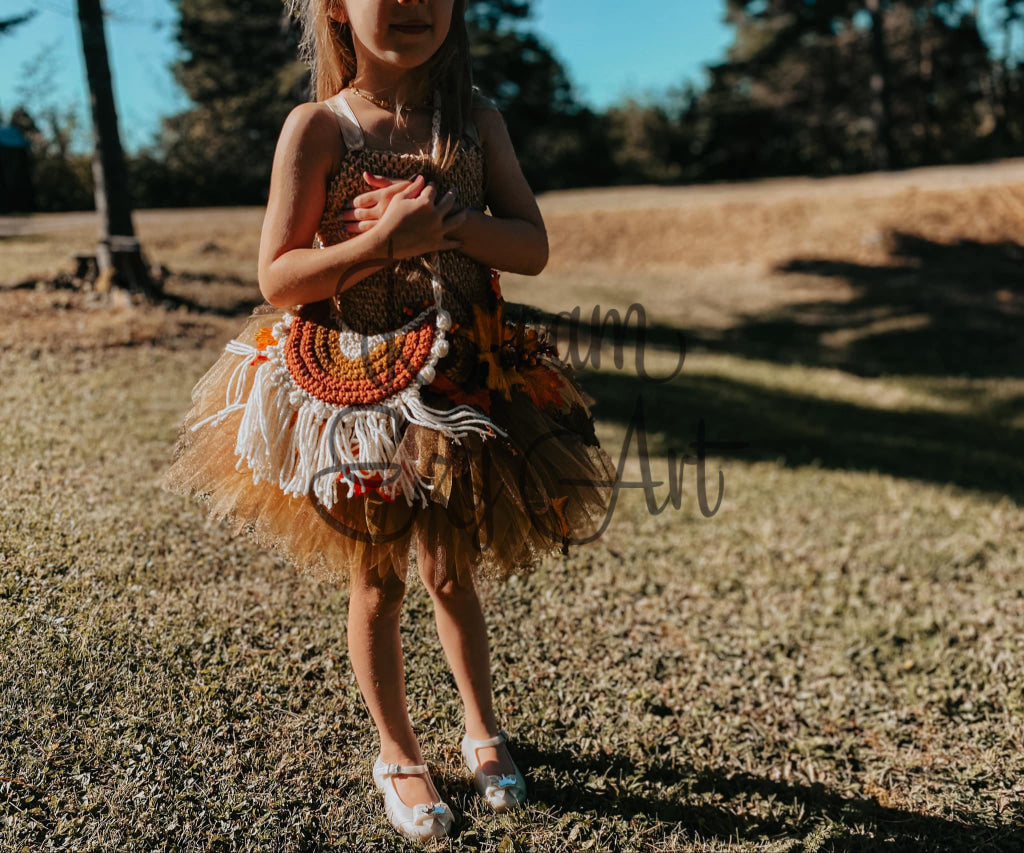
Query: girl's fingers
pixel 365 199
pixel 395 187
pixel 413 189
pixel 430 193
pixel 359 213
pixel 377 180
pixel 454 220
pixel 359 227
pixel 449 243
pixel 447 200
pixel 374 197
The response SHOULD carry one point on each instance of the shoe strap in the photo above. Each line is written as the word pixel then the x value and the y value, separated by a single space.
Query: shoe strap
pixel 396 769
pixel 500 737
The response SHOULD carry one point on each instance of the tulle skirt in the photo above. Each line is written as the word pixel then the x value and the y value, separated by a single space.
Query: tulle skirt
pixel 497 505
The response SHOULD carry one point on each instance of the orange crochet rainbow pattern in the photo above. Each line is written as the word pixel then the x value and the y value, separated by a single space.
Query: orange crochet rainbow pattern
pixel 327 399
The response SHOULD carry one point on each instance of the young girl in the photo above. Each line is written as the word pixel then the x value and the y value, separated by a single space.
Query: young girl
pixel 376 228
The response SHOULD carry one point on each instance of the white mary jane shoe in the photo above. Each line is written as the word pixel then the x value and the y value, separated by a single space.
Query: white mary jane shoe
pixel 420 822
pixel 501 792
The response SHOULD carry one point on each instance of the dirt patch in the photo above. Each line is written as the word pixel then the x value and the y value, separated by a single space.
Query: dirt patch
pixel 64 321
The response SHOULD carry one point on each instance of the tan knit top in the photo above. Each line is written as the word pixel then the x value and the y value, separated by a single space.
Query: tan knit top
pixel 390 297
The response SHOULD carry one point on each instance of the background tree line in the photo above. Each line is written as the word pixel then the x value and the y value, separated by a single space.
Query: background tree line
pixel 808 87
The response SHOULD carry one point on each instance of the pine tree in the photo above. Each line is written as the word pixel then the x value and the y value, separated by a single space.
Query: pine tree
pixel 238 66
pixel 825 86
pixel 1006 85
pixel 239 69
pixel 559 142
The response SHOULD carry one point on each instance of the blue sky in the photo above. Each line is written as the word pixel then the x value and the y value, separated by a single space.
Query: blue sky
pixel 609 52
pixel 610 47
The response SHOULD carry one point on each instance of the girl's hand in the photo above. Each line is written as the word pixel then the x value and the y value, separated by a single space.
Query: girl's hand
pixel 366 209
pixel 417 222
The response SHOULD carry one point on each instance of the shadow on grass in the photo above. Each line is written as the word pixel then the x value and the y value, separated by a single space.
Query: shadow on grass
pixel 226 302
pixel 230 305
pixel 971 451
pixel 908 830
pixel 936 310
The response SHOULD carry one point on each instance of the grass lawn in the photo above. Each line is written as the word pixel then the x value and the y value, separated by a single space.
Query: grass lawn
pixel 826 655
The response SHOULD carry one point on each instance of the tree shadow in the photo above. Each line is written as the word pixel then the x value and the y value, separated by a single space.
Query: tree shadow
pixel 910 831
pixel 973 299
pixel 620 329
pixel 226 304
pixel 973 451
pixel 937 310
pixel 940 310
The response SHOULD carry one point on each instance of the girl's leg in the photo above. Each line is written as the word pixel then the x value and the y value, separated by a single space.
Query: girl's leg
pixel 375 649
pixel 463 633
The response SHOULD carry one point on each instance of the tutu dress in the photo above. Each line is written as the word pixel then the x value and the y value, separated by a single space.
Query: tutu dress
pixel 489 462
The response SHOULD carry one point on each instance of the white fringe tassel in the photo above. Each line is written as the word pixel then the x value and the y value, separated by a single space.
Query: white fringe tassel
pixel 328 443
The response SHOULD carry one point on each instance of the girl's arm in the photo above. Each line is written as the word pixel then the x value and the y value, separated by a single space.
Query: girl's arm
pixel 513 238
pixel 290 272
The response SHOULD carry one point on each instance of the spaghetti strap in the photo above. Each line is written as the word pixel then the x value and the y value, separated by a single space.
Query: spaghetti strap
pixel 351 130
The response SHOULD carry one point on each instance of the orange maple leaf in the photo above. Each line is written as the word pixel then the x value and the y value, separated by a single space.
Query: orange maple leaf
pixel 490 332
pixel 544 386
pixel 443 385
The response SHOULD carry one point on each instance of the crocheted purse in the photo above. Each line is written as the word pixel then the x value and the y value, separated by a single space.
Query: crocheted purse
pixel 329 404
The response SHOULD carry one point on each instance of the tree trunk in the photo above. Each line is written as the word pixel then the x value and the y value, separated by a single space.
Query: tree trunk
pixel 118 254
pixel 887 156
pixel 1006 90
pixel 926 88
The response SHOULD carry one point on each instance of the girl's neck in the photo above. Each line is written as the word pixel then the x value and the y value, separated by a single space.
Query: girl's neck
pixel 391 88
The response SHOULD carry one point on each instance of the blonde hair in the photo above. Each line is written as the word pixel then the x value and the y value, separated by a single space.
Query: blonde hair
pixel 326 46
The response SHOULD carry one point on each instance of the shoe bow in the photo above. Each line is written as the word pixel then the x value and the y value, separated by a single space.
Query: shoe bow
pixel 497 784
pixel 422 812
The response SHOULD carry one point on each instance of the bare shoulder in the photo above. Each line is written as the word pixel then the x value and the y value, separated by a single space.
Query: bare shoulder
pixel 310 137
pixel 487 117
pixel 506 190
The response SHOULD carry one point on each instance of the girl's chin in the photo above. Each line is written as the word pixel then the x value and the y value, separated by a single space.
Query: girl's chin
pixel 401 59
pixel 412 33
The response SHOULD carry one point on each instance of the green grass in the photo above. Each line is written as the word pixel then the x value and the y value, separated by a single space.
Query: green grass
pixel 831 661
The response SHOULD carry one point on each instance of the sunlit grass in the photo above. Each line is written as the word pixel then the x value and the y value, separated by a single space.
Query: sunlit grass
pixel 829 658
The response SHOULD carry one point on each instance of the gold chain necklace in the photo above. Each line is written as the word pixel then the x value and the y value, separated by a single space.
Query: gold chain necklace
pixel 387 105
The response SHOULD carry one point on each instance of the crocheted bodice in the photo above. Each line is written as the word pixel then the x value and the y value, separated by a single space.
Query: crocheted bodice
pixel 388 298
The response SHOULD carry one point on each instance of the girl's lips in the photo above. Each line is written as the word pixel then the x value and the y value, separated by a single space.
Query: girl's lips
pixel 411 28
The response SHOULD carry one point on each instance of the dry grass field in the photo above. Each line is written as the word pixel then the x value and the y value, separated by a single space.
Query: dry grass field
pixel 819 649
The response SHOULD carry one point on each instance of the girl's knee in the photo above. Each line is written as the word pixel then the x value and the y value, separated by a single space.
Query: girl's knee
pixel 439 577
pixel 376 591
pixel 447 586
